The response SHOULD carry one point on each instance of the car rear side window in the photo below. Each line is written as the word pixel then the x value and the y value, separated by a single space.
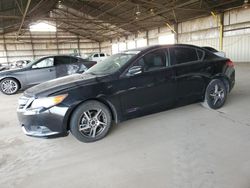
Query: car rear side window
pixel 181 55
pixel 96 55
pixel 73 60
pixel 61 60
pixel 102 55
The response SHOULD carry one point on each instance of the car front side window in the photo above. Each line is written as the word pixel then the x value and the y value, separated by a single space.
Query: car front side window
pixel 47 62
pixel 153 61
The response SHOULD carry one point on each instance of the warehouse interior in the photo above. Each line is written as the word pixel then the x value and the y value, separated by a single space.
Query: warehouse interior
pixel 188 147
pixel 113 26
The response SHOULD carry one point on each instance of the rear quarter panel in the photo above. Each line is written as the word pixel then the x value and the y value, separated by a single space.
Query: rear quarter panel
pixel 224 71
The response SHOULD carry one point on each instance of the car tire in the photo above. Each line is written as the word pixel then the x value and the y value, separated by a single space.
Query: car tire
pixel 91 121
pixel 9 86
pixel 215 95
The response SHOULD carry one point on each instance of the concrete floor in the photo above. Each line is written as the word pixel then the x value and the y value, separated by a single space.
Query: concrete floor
pixel 187 147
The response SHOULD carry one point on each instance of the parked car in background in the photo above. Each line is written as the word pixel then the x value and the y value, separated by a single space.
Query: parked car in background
pixel 98 57
pixel 126 85
pixel 14 65
pixel 2 67
pixel 5 66
pixel 41 70
pixel 21 63
pixel 216 52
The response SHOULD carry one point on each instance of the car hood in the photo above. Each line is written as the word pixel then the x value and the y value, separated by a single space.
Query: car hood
pixel 59 84
pixel 11 71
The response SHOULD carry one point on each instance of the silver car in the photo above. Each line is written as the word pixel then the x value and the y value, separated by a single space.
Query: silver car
pixel 41 70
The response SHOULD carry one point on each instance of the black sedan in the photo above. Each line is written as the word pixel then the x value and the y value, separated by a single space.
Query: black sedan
pixel 41 70
pixel 126 85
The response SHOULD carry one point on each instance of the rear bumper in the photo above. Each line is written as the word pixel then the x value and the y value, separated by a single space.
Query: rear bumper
pixel 45 123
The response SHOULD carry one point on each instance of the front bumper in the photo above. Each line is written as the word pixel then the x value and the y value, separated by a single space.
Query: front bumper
pixel 44 122
pixel 39 131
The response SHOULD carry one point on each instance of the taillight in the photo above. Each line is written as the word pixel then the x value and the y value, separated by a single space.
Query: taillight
pixel 230 63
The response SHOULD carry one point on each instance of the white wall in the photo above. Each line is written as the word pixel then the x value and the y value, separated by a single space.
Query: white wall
pixel 142 39
pixel 203 32
pixel 30 46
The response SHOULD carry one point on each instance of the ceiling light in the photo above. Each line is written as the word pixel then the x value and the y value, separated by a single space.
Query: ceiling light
pixel 42 27
pixel 138 12
pixel 59 4
pixel 246 4
pixel 152 11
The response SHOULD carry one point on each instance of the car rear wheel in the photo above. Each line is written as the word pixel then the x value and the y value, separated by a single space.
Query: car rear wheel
pixel 91 121
pixel 216 94
pixel 9 86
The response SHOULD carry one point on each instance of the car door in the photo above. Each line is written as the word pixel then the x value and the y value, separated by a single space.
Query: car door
pixel 41 71
pixel 188 67
pixel 151 90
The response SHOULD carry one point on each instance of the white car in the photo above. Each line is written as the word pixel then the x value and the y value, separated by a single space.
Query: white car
pixel 98 57
pixel 216 52
pixel 21 63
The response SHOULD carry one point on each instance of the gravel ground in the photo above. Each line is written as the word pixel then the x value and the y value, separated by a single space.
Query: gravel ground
pixel 187 147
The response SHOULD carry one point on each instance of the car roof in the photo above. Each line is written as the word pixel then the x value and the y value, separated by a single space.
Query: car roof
pixel 62 55
pixel 210 48
pixel 97 53
pixel 144 49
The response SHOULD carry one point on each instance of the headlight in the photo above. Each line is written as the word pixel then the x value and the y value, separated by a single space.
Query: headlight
pixel 48 101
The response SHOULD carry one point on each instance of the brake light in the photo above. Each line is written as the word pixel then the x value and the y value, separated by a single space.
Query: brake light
pixel 230 63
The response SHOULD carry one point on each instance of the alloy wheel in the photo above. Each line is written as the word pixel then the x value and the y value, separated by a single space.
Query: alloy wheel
pixel 217 95
pixel 92 123
pixel 9 86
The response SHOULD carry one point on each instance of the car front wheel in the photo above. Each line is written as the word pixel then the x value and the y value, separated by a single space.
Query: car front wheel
pixel 9 86
pixel 216 94
pixel 91 121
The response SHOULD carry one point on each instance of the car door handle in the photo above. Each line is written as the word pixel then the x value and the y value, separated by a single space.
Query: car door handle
pixel 132 88
pixel 50 70
pixel 150 84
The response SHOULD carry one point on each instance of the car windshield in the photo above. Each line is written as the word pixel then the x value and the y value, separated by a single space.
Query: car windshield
pixel 112 63
pixel 32 62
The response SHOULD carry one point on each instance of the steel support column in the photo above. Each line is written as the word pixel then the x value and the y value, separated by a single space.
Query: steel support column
pixel 32 45
pixel 221 29
pixel 176 40
pixel 5 49
pixel 100 49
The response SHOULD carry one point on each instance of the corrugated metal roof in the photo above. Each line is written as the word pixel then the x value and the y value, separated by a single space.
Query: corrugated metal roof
pixel 102 20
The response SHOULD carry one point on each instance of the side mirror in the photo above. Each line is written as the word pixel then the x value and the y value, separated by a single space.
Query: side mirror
pixel 134 70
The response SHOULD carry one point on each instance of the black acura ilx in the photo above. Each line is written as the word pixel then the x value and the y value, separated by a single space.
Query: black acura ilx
pixel 126 85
